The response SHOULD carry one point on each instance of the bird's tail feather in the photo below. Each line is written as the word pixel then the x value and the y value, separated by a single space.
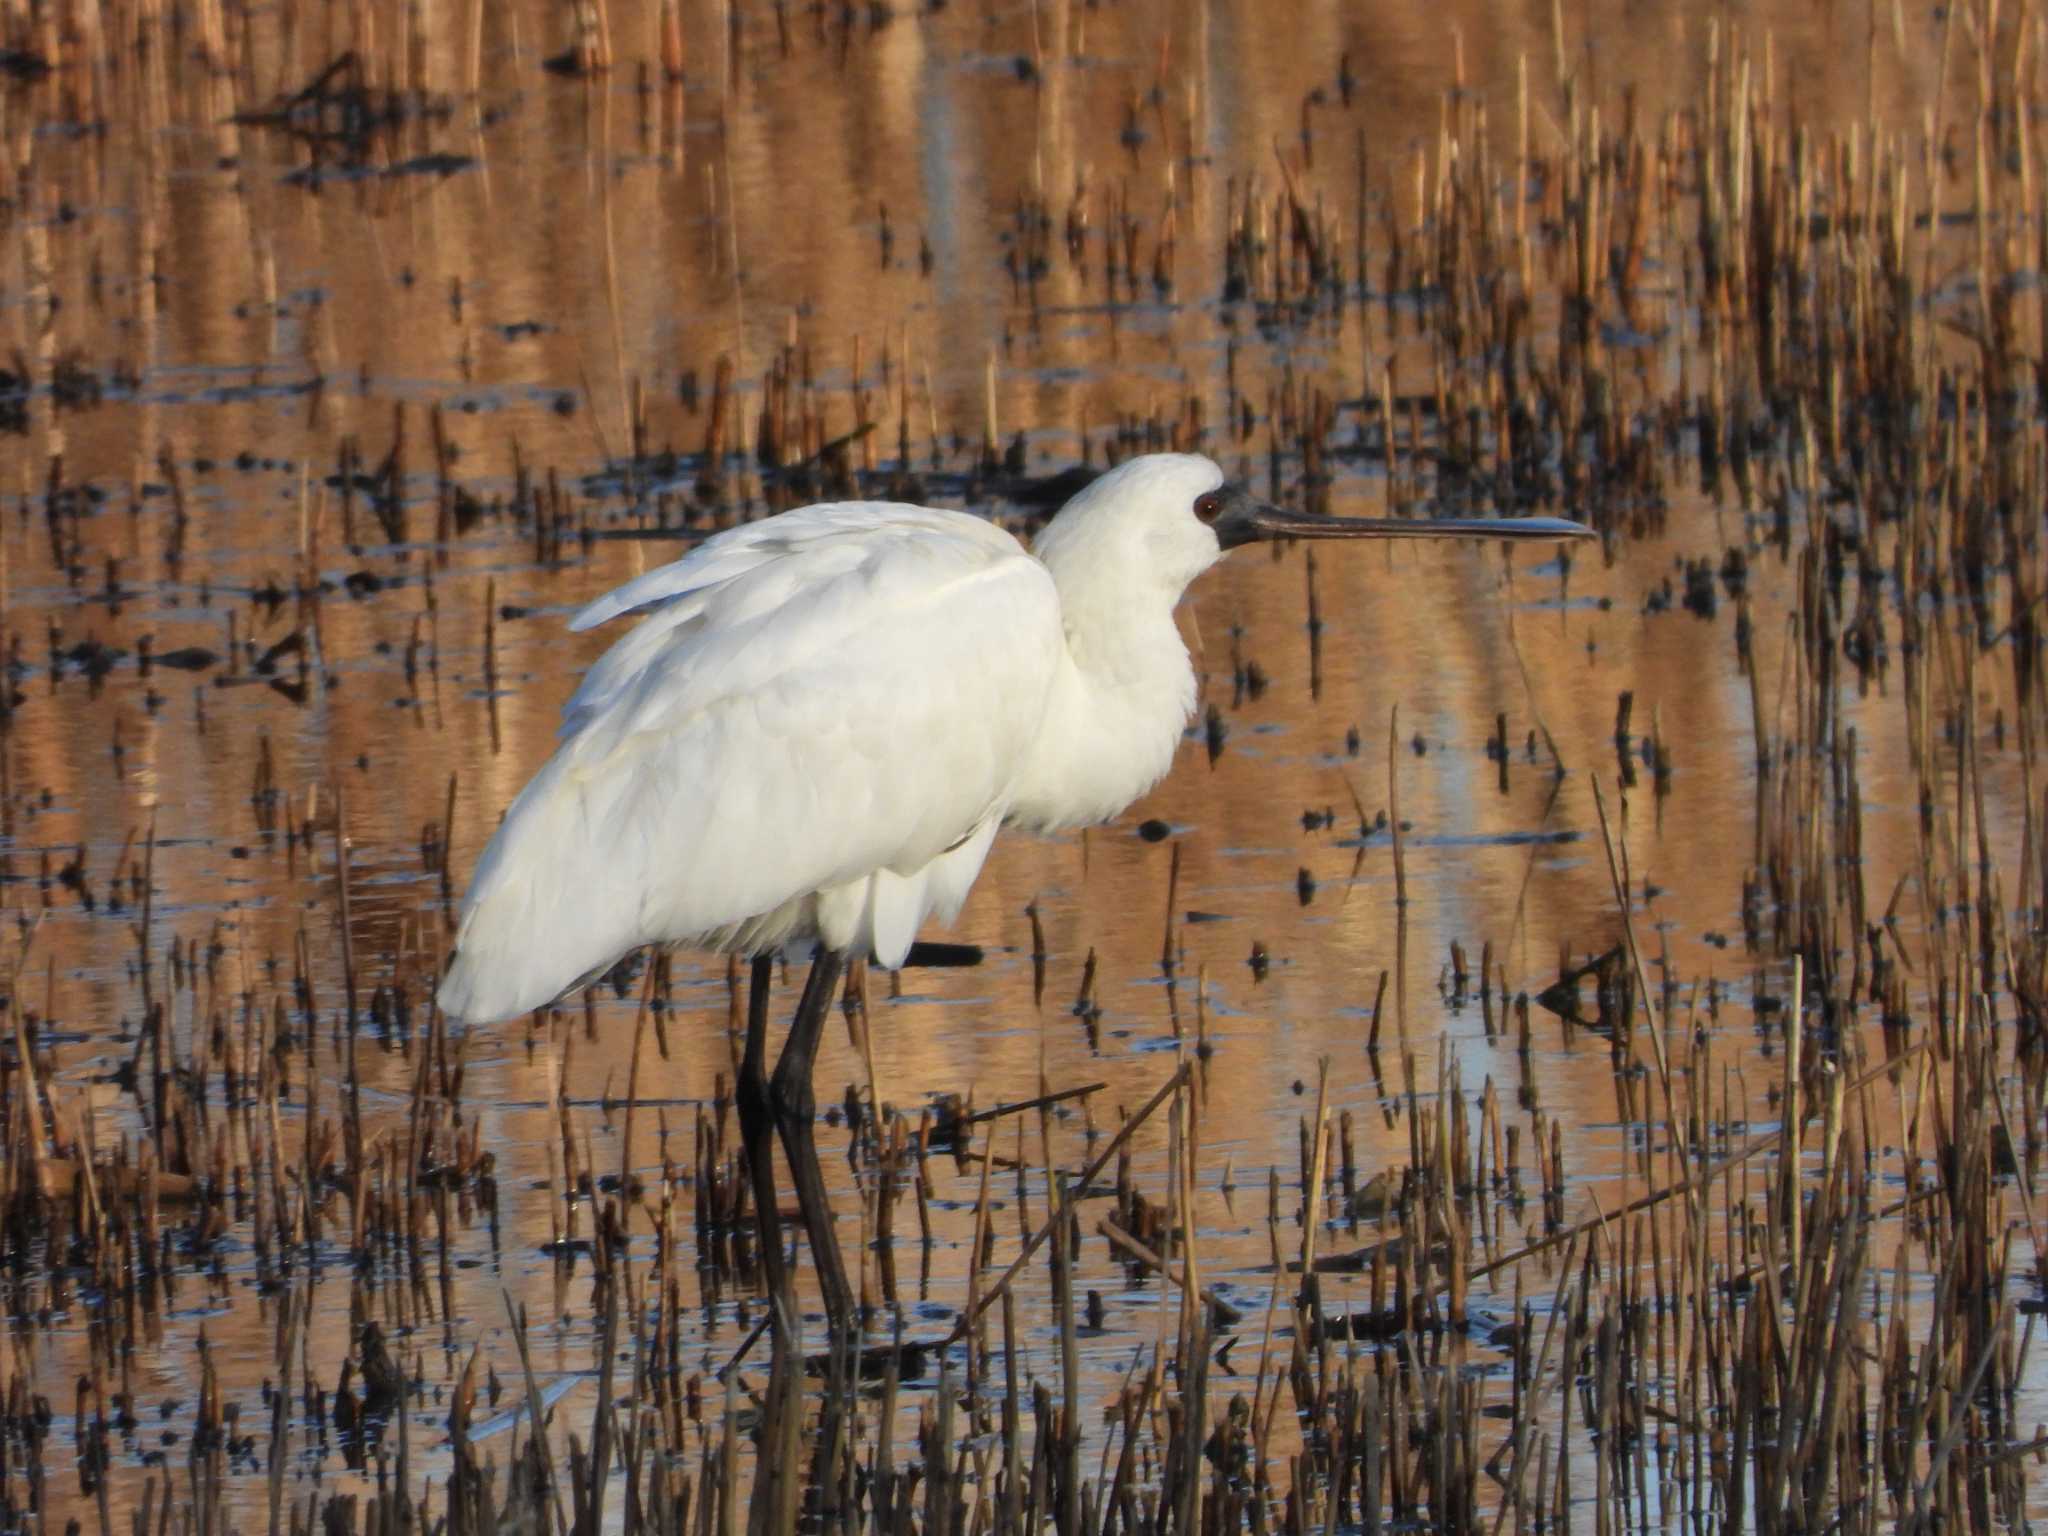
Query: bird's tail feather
pixel 536 922
pixel 896 906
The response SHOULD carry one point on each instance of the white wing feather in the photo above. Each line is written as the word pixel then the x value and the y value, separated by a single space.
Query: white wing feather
pixel 814 730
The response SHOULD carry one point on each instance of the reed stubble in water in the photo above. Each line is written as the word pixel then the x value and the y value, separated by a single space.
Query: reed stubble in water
pixel 1824 1323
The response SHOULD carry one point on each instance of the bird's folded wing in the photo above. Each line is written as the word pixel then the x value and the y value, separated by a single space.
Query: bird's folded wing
pixel 789 716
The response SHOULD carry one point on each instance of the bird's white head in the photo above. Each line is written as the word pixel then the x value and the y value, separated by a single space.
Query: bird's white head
pixel 1155 523
pixel 1136 527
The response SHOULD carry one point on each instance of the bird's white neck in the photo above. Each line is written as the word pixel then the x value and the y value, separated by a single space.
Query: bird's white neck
pixel 1119 705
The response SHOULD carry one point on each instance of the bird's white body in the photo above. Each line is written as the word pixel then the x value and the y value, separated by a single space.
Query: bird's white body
pixel 823 718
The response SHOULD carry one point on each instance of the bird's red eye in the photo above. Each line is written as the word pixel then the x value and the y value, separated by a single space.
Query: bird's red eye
pixel 1209 506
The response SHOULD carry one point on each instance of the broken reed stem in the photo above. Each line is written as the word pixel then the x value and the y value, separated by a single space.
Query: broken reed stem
pixel 1118 1238
pixel 1702 1180
pixel 535 1411
pixel 1628 927
pixel 1087 1178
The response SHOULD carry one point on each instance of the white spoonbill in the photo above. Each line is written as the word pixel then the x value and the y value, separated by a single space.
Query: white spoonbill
pixel 822 719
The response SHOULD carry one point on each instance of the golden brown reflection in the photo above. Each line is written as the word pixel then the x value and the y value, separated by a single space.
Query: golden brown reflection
pixel 559 287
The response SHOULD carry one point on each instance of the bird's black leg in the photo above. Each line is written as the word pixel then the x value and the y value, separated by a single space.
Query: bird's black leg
pixel 757 1125
pixel 795 1112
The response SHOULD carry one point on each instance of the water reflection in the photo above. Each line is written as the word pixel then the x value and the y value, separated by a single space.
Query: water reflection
pixel 869 199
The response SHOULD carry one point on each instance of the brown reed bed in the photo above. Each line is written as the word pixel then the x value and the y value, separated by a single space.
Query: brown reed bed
pixel 1812 1306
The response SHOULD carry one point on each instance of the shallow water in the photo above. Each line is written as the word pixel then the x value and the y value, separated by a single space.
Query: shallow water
pixel 580 246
